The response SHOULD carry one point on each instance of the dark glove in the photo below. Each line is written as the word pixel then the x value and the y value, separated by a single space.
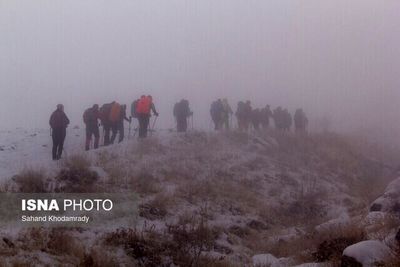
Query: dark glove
pixel 156 114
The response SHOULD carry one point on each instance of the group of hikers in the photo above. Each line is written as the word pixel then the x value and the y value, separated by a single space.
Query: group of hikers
pixel 257 118
pixel 111 116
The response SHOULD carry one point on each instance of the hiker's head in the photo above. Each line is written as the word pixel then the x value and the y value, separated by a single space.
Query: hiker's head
pixel 95 107
pixel 60 107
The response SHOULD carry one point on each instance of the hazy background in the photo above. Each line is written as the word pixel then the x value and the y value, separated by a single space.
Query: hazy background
pixel 339 58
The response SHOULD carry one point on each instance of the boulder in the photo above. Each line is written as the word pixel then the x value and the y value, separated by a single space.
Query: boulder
pixel 365 253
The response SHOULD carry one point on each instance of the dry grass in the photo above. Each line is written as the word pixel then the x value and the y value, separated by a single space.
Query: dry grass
pixel 184 243
pixel 32 181
pixel 76 177
pixel 381 228
pixel 100 257
pixel 322 246
pixel 158 207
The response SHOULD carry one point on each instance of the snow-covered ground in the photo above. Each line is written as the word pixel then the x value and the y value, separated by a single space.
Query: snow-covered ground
pixel 261 195
pixel 20 148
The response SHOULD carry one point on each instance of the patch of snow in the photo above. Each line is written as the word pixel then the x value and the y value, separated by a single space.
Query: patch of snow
pixel 264 260
pixel 368 252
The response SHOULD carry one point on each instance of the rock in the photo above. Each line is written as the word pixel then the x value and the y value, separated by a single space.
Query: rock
pixel 366 253
pixel 398 236
pixel 257 225
pixel 376 207
pixel 389 201
pixel 396 207
pixel 100 172
pixel 350 262
pixel 8 242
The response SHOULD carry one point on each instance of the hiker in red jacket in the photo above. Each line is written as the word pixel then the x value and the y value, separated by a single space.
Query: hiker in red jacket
pixel 58 123
pixel 143 112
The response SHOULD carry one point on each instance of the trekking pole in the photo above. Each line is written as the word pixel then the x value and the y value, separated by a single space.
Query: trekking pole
pixel 102 138
pixel 129 131
pixel 152 128
pixel 192 123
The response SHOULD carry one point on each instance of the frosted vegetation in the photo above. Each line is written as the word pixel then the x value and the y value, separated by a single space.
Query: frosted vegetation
pixel 217 199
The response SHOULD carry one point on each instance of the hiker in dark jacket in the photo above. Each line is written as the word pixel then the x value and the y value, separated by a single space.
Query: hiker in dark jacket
pixel 266 114
pixel 182 113
pixel 256 118
pixel 121 128
pixel 278 117
pixel 114 118
pixel 58 123
pixel 104 113
pixel 287 120
pixel 226 114
pixel 248 112
pixel 90 118
pixel 216 112
pixel 300 121
pixel 240 115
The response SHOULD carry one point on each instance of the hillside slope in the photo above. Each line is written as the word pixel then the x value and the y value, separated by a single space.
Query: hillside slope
pixel 216 199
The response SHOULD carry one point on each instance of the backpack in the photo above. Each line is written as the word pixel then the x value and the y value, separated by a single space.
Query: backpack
pixel 115 112
pixel 104 112
pixel 143 106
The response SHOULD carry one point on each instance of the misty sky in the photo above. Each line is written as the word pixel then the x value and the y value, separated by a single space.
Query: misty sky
pixel 334 57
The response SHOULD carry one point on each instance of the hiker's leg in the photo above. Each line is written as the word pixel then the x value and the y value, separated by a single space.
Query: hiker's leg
pixel 96 137
pixel 88 138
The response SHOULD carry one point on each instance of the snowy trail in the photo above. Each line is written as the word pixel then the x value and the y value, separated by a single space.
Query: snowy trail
pixel 21 148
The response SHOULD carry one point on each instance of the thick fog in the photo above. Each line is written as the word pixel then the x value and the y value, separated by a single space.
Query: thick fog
pixel 335 58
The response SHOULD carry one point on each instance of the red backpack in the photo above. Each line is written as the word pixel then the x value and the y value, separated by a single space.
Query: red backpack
pixel 115 113
pixel 143 106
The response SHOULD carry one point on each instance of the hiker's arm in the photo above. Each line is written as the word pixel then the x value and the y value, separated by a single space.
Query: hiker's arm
pixel 153 108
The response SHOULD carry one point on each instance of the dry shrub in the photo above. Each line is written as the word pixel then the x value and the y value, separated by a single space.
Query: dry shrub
pixel 61 242
pixel 190 239
pixel 194 191
pixel 76 162
pixel 329 244
pixel 76 177
pixel 157 208
pixel 393 260
pixel 148 146
pixel 100 257
pixel 145 183
pixel 32 181
pixel 115 168
pixel 33 238
pixel 219 190
pixel 383 227
pixel 182 244
pixel 322 246
pixel 306 209
pixel 56 241
pixel 146 246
